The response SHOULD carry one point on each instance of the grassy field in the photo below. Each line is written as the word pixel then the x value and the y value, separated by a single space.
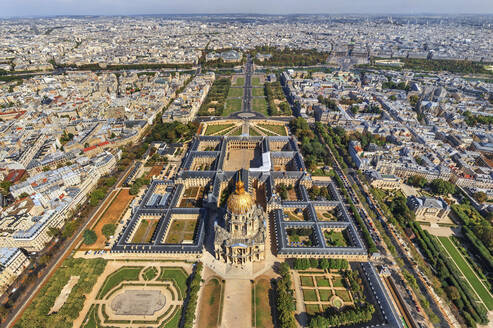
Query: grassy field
pixel 36 313
pixel 337 281
pixel 210 304
pixel 260 105
pixel 468 272
pixel 312 309
pixel 309 295
pixel 236 132
pixel 257 92
pixel 123 274
pixel 181 230
pixel 256 81
pixel 178 275
pixel 144 231
pixel 254 132
pixel 307 281
pixel 278 129
pixel 214 128
pixel 232 105
pixel 322 282
pixel 263 317
pixel 235 92
pixel 150 273
pixel 335 238
pixel 240 81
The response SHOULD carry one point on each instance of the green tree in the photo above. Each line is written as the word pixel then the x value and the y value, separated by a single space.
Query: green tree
pixel 108 230
pixel 442 187
pixel 480 197
pixel 89 237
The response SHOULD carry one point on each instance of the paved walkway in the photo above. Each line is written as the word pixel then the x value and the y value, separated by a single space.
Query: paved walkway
pixel 237 307
pixel 300 305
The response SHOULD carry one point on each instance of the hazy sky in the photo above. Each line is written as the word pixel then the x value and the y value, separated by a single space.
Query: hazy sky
pixel 129 7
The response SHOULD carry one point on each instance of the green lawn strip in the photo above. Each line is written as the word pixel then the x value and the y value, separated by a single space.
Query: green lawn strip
pixel 214 128
pixel 123 274
pixel 253 132
pixel 343 294
pixel 279 129
pixel 263 316
pixel 306 281
pixel 174 322
pixel 309 295
pixel 91 319
pixel 337 282
pixel 236 132
pixel 467 272
pixel 225 132
pixel 312 308
pixel 235 92
pixel 256 81
pixel 177 275
pixel 257 92
pixel 260 105
pixel 232 105
pixel 325 294
pixel 322 282
pixel 240 81
pixel 150 273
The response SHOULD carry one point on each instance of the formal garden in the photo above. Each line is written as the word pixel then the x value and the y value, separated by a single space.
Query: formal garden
pixel 139 295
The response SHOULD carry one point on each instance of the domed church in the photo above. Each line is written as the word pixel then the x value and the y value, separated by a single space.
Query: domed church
pixel 242 240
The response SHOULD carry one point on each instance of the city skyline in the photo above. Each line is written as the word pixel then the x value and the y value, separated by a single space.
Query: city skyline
pixel 37 8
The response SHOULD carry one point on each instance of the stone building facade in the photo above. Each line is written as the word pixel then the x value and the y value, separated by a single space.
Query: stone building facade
pixel 242 240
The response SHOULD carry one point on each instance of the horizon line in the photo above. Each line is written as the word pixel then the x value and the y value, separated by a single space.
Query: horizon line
pixel 246 14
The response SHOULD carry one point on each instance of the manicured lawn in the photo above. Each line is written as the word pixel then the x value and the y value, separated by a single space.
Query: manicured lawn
pixel 466 270
pixel 210 304
pixel 263 317
pixel 257 92
pixel 309 295
pixel 90 319
pixel 175 321
pixel 150 273
pixel 235 92
pixel 178 275
pixel 335 238
pixel 181 230
pixel 344 295
pixel 278 129
pixel 260 105
pixel 253 132
pixel 337 281
pixel 232 105
pixel 144 231
pixel 312 308
pixel 214 128
pixel 236 132
pixel 307 281
pixel 240 81
pixel 123 274
pixel 256 81
pixel 325 294
pixel 322 282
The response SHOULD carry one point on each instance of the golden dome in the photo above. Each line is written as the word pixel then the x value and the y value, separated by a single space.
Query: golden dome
pixel 240 202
